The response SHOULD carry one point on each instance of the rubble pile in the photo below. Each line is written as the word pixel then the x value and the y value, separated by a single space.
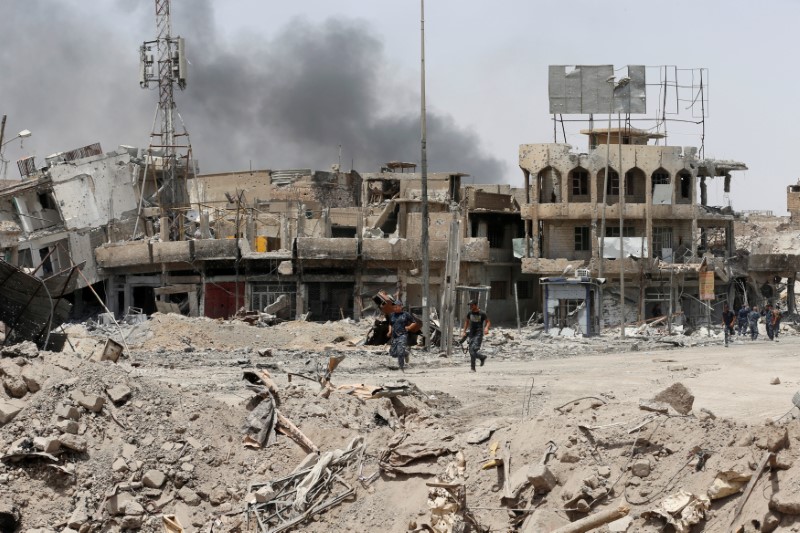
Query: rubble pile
pixel 665 463
pixel 168 439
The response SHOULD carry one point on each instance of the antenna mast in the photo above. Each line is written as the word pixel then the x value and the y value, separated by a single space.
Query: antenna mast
pixel 163 63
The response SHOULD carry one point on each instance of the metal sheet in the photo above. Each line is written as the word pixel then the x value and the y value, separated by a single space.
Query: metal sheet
pixel 662 194
pixel 585 89
pixel 26 302
pixel 632 247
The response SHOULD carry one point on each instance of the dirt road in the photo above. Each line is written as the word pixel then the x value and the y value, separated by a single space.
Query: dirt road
pixel 732 382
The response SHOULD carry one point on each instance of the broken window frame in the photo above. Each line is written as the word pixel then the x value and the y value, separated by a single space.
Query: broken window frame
pixel 662 238
pixel 627 231
pixel 579 179
pixel 498 289
pixel 612 184
pixel 583 239
pixel 495 234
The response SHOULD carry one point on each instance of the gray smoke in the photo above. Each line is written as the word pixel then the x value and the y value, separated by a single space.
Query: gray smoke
pixel 286 101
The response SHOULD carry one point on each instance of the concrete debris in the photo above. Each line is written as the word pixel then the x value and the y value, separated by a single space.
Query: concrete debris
pixel 410 454
pixel 194 468
pixel 727 483
pixel 678 397
pixel 682 510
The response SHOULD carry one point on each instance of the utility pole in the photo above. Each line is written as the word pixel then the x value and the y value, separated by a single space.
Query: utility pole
pixel 426 313
pixel 2 132
pixel 623 178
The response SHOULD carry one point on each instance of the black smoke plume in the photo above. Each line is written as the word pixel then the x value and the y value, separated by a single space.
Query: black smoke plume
pixel 282 101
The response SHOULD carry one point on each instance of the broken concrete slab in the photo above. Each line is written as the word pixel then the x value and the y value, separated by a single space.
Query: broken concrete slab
pixel 47 444
pixel 9 409
pixel 641 468
pixel 32 379
pixel 478 435
pixel 27 349
pixel 189 496
pixel 15 386
pixel 678 397
pixel 68 412
pixel 117 504
pixel 91 402
pixel 67 426
pixel 542 479
pixel 73 442
pixel 119 394
pixel 773 438
pixel 154 479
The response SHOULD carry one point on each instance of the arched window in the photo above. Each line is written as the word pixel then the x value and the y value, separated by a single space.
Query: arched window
pixel 684 184
pixel 662 193
pixel 579 190
pixel 549 186
pixel 635 180
pixel 612 185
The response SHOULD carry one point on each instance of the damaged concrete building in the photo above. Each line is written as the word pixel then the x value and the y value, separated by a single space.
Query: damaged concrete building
pixel 58 214
pixel 668 233
pixel 319 245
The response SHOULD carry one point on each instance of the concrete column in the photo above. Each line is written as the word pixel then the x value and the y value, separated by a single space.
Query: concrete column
pixel 326 223
pixel 193 307
pixel 357 290
pixel 527 176
pixel 250 230
pixel 648 212
pixel 565 184
pixel 594 229
pixel 301 217
pixel 790 304
pixel 112 295
pixel 283 232
pixel 201 310
pixel 205 231
pixel 300 303
pixel 695 209
pixel 164 230
pixel 703 191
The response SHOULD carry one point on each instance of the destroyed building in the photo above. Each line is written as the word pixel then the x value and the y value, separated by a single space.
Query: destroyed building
pixel 319 245
pixel 669 232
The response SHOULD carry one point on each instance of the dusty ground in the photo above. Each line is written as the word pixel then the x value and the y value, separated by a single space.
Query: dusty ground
pixel 188 402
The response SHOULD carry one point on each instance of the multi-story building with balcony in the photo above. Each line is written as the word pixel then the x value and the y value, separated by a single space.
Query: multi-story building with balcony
pixel 575 218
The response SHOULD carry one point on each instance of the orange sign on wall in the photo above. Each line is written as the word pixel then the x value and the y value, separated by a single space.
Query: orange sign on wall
pixel 707 285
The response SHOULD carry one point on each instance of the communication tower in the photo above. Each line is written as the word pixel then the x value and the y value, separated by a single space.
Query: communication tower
pixel 163 65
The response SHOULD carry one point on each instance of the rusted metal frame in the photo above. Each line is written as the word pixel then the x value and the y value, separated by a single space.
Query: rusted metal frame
pixel 331 474
pixel 15 271
pixel 22 311
pixel 55 301
pixel 318 508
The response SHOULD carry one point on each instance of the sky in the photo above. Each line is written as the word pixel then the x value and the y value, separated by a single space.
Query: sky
pixel 307 84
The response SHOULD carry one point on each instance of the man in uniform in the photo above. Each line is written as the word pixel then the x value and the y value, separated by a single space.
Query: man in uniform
pixel 728 320
pixel 475 327
pixel 400 322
